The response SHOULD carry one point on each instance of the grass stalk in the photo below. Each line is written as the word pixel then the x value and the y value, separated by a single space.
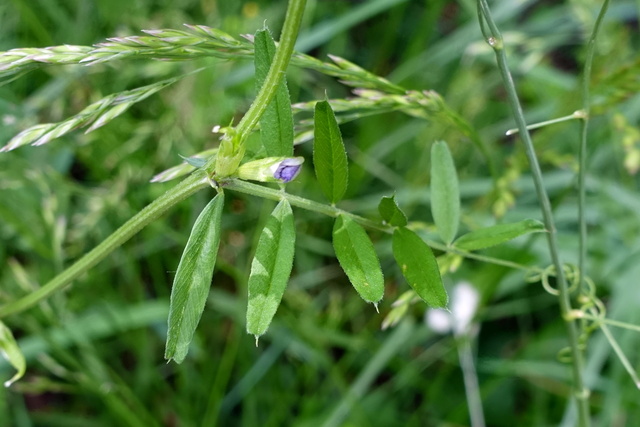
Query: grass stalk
pixel 153 211
pixel 471 384
pixel 582 152
pixel 185 188
pixel 494 39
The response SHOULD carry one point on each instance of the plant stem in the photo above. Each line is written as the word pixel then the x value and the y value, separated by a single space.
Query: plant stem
pixel 273 79
pixel 494 38
pixel 582 153
pixel 470 376
pixel 575 115
pixel 153 211
pixel 188 186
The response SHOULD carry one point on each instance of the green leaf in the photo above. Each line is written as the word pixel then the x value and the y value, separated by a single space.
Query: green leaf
pixel 276 124
pixel 419 267
pixel 497 234
pixel 445 196
pixel 193 280
pixel 270 269
pixel 358 259
pixel 329 155
pixel 391 213
pixel 11 352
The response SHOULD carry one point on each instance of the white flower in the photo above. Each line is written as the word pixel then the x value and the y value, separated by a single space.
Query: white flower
pixel 464 303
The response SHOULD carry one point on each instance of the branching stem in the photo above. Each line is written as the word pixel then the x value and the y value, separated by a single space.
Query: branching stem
pixel 494 39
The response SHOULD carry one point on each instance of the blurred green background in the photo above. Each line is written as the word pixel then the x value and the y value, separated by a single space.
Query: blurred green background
pixel 95 351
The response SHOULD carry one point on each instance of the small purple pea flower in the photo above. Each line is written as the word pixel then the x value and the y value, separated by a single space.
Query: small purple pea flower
pixel 288 169
pixel 271 169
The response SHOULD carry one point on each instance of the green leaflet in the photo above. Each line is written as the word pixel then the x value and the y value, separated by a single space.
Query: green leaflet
pixel 329 155
pixel 276 124
pixel 270 269
pixel 193 280
pixel 497 234
pixel 391 213
pixel 445 196
pixel 358 259
pixel 11 352
pixel 419 267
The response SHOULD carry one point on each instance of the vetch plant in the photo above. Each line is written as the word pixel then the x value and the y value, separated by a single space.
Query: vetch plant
pixel 425 249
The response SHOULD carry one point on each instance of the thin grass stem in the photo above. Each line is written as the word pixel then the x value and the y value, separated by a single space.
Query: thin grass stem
pixel 582 152
pixel 153 211
pixel 495 40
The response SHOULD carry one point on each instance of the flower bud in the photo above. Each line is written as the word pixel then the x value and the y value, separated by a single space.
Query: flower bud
pixel 271 169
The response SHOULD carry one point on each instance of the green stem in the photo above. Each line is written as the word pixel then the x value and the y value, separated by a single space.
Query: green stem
pixel 273 79
pixel 580 114
pixel 611 322
pixel 150 213
pixel 582 153
pixel 494 38
pixel 332 211
pixel 188 186
pixel 471 384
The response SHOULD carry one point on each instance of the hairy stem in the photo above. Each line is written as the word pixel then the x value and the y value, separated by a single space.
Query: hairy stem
pixel 188 186
pixel 273 79
pixel 494 38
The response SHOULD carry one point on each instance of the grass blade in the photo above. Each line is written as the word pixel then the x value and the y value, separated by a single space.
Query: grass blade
pixel 419 267
pixel 193 280
pixel 329 155
pixel 497 234
pixel 445 195
pixel 358 259
pixel 11 352
pixel 276 124
pixel 270 269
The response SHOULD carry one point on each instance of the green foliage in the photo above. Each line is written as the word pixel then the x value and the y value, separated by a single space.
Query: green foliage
pixel 193 279
pixel 276 124
pixel 445 196
pixel 400 76
pixel 419 267
pixel 270 269
pixel 329 155
pixel 391 213
pixel 11 352
pixel 358 258
pixel 497 234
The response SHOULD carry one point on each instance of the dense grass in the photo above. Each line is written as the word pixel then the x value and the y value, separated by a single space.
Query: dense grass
pixel 95 351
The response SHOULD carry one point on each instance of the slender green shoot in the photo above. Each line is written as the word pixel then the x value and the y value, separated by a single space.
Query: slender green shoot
pixel 494 39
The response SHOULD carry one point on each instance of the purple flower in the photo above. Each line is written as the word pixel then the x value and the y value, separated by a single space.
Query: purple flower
pixel 288 169
pixel 271 169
